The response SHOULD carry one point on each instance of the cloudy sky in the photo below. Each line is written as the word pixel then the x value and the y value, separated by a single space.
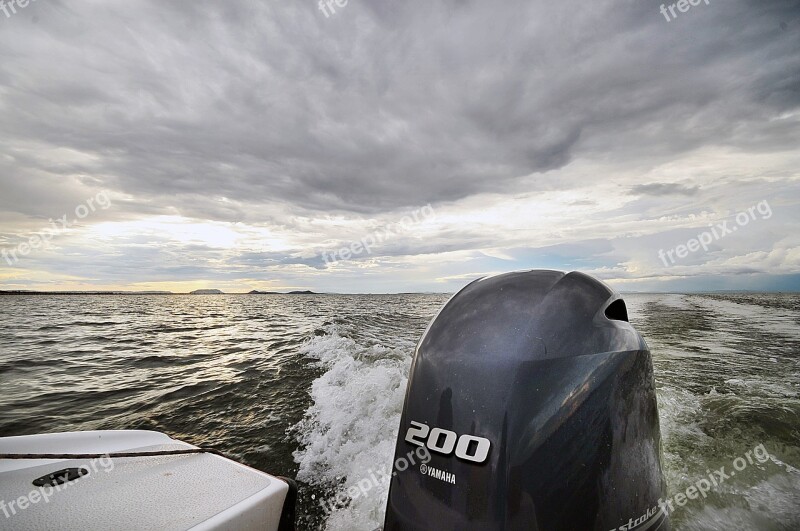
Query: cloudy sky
pixel 242 144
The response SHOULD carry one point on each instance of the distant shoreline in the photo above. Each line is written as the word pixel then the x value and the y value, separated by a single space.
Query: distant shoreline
pixel 305 292
pixel 28 292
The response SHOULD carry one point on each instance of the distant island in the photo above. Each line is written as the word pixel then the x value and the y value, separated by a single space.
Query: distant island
pixel 253 292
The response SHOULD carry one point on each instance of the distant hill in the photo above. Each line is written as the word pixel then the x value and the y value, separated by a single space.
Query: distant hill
pixel 304 292
pixel 206 292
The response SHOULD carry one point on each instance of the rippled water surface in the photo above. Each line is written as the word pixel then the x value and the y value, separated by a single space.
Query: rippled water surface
pixel 311 386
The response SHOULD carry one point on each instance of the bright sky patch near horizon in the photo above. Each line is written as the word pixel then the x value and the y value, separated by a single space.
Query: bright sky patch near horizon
pixel 239 142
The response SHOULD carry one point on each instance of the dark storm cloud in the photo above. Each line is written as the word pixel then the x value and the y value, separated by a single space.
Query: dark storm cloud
pixel 186 105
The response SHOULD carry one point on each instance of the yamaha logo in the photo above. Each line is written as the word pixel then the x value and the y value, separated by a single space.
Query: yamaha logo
pixel 441 475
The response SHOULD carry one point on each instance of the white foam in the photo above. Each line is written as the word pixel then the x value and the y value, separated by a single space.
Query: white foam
pixel 671 300
pixel 769 504
pixel 762 388
pixel 776 321
pixel 349 432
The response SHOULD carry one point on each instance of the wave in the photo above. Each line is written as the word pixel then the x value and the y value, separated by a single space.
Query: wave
pixel 349 432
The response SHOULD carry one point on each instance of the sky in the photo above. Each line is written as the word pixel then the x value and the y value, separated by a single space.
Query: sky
pixel 384 146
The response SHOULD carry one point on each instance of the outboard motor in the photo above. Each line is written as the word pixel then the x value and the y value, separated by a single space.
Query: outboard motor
pixel 535 398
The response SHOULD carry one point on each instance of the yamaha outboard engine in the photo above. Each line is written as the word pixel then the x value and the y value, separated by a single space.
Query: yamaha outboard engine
pixel 535 398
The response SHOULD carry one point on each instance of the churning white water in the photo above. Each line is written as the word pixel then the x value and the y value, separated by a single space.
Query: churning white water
pixel 726 369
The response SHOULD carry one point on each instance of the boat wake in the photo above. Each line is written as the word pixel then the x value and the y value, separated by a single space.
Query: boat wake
pixel 349 432
pixel 709 413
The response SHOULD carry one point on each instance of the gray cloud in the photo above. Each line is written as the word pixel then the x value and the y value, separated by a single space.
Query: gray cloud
pixel 274 118
pixel 658 189
pixel 382 106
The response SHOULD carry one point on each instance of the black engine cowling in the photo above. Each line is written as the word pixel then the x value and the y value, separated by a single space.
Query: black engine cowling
pixel 535 398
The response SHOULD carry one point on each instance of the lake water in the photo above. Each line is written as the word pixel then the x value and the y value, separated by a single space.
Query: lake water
pixel 311 386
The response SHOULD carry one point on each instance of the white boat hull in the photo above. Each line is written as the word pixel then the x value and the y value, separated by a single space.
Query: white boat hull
pixel 197 491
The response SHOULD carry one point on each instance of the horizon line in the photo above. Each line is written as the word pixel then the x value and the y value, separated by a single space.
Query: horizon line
pixel 310 292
